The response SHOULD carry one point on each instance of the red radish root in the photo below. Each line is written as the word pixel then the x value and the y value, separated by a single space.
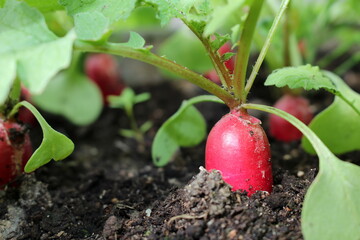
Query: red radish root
pixel 15 151
pixel 281 129
pixel 102 69
pixel 237 146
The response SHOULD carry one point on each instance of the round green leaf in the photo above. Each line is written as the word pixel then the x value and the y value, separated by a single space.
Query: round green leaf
pixel 72 95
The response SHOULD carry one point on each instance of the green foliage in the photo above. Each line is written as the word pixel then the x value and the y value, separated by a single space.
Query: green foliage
pixel 188 10
pixel 338 126
pixel 332 204
pixel 142 18
pixel 330 21
pixel 135 41
pixel 342 117
pixel 307 77
pixel 219 41
pixel 68 95
pixel 94 18
pixel 45 5
pixel 225 14
pixel 53 146
pixel 28 49
pixel 127 100
pixel 186 128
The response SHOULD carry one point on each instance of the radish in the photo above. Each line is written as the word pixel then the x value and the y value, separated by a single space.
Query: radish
pixel 102 69
pixel 15 150
pixel 237 146
pixel 297 106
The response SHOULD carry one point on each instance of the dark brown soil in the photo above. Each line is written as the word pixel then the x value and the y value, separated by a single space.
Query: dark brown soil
pixel 109 188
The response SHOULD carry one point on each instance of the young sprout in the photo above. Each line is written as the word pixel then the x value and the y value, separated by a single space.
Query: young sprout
pixel 126 101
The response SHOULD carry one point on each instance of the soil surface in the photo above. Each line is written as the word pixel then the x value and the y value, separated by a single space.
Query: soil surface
pixel 109 188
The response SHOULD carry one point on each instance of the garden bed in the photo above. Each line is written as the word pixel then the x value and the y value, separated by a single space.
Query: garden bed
pixel 110 189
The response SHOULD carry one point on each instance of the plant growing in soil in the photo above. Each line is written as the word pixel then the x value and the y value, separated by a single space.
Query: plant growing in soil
pixel 127 100
pixel 15 145
pixel 237 145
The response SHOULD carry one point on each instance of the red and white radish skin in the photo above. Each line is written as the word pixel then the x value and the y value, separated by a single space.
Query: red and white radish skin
pixel 237 146
pixel 281 129
pixel 15 151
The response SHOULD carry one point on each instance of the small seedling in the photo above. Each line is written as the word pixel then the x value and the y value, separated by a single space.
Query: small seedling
pixel 127 100
pixel 16 155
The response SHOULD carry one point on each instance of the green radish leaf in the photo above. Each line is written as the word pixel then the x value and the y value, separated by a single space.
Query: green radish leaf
pixel 142 97
pixel 332 203
pixel 94 18
pixel 29 49
pixel 146 126
pixel 45 6
pixel 126 100
pixel 191 55
pixel 128 133
pixel 224 14
pixel 338 126
pixel 227 56
pixel 331 208
pixel 186 128
pixel 219 41
pixel 91 25
pixel 188 10
pixel 135 41
pixel 53 146
pixel 306 76
pixel 8 75
pixel 68 95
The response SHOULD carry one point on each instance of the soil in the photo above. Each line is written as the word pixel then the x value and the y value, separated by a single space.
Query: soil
pixel 109 188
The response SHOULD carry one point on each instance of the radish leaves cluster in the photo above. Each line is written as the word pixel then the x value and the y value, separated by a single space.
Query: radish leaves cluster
pixel 30 51
pixel 67 95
